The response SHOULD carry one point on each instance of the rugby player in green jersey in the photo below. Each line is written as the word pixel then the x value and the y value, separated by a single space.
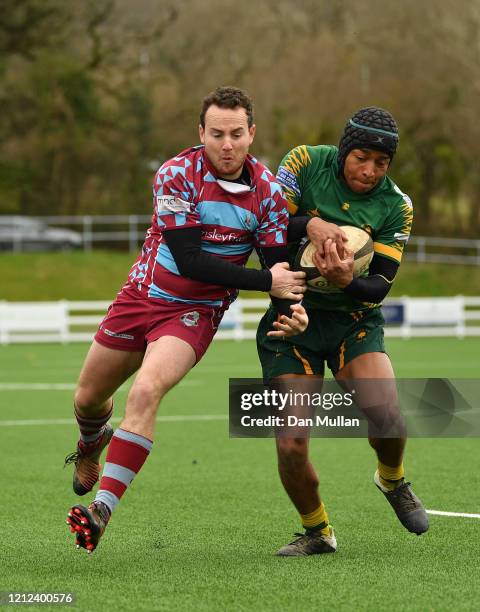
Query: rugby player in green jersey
pixel 329 187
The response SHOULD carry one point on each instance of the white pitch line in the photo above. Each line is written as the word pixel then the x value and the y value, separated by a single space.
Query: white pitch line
pixel 20 386
pixel 37 386
pixel 460 514
pixel 178 418
pixel 173 418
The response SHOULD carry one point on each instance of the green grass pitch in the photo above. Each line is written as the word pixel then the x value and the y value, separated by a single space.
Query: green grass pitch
pixel 198 528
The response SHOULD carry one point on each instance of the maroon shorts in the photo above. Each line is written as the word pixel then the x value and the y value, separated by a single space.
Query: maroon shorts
pixel 132 321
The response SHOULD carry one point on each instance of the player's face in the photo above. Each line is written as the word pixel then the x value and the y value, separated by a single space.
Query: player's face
pixel 364 168
pixel 226 137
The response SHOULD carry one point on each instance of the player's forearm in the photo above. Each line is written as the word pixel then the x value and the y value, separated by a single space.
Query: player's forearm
pixel 198 265
pixel 369 289
pixel 374 287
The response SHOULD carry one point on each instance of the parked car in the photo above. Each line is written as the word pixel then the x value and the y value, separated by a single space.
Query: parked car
pixel 32 234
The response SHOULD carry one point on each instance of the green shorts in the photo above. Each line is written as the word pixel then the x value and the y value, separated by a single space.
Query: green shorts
pixel 332 336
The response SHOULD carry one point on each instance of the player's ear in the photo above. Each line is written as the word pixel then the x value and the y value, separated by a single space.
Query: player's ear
pixel 252 130
pixel 201 133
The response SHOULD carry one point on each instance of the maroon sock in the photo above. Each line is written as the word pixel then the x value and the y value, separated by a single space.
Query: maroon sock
pixel 91 429
pixel 126 455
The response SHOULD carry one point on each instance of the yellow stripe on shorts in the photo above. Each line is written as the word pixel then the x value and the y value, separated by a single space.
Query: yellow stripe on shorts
pixel 342 356
pixel 306 365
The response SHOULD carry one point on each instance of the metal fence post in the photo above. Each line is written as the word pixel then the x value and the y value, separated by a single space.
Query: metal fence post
pixel 17 240
pixel 421 254
pixel 87 233
pixel 132 232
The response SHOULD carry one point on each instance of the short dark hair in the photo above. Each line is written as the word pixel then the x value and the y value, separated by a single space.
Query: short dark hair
pixel 228 97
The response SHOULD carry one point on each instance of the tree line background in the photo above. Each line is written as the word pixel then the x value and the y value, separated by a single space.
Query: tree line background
pixel 94 95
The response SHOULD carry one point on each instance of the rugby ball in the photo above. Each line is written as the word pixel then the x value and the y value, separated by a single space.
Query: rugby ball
pixel 359 241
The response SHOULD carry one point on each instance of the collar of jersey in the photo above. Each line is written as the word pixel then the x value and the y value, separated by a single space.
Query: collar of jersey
pixel 234 188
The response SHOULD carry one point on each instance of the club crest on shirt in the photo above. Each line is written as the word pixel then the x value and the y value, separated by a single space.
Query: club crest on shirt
pixel 190 319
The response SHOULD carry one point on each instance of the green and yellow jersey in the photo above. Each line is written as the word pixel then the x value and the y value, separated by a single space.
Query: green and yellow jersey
pixel 309 176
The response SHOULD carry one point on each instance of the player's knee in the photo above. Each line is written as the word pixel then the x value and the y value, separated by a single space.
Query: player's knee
pixel 292 452
pixel 146 395
pixel 385 421
pixel 87 399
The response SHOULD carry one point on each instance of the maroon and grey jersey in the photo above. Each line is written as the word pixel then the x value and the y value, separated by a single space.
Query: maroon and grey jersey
pixel 234 219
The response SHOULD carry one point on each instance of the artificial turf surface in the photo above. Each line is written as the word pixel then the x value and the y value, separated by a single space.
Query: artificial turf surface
pixel 198 528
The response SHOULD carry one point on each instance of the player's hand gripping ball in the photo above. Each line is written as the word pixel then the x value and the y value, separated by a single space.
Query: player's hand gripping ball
pixel 359 241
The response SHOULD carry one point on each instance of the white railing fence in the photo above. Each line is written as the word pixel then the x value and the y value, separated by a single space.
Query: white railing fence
pixel 128 232
pixel 76 321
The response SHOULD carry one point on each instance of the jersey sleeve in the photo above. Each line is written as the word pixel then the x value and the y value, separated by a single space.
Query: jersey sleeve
pixel 173 198
pixel 272 229
pixel 394 234
pixel 292 175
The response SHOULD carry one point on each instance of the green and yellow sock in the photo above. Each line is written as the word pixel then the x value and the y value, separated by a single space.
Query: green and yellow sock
pixel 390 477
pixel 316 520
